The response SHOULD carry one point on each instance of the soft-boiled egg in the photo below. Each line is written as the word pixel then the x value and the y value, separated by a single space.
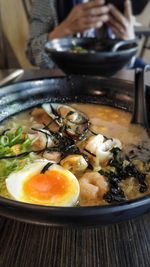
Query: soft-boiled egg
pixel 55 187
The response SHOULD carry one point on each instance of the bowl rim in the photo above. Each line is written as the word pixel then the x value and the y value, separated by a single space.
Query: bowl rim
pixel 84 54
pixel 72 211
pixel 81 210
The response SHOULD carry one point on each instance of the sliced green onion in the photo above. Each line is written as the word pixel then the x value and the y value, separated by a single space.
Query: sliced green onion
pixel 4 150
pixel 25 145
pixel 4 140
pixel 17 138
pixel 18 131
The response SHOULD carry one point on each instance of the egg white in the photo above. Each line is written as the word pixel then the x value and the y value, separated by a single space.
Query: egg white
pixel 16 180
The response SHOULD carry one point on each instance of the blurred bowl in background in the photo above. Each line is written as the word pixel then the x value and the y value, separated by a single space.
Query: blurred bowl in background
pixel 90 56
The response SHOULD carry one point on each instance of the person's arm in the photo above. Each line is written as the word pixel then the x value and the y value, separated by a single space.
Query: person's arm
pixel 43 20
pixel 122 24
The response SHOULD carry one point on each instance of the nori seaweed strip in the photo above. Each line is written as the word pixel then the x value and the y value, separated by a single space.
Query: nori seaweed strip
pixel 105 137
pixel 47 125
pixel 39 130
pixel 141 146
pixel 79 134
pixel 129 171
pixel 140 151
pixel 46 167
pixel 90 166
pixel 16 156
pixel 50 134
pixel 71 112
pixel 54 111
pixel 52 149
pixel 67 146
pixel 93 132
pixel 46 134
pixel 63 129
pixel 132 171
pixel 115 193
pixel 54 134
pixel 46 145
pixel 89 152
pixel 117 197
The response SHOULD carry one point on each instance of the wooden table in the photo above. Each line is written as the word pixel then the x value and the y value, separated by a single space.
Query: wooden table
pixel 121 245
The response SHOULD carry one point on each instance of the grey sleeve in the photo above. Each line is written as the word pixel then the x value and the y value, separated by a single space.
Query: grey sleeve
pixel 43 19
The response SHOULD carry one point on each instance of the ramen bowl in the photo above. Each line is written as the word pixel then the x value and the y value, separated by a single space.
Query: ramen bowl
pixel 25 95
pixel 90 56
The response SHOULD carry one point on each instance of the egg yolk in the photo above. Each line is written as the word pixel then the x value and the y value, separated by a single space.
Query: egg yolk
pixel 44 187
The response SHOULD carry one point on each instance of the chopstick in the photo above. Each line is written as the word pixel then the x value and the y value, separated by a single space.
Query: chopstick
pixel 11 77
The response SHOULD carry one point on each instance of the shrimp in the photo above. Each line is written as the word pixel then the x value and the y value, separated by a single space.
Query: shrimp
pixel 74 163
pixel 98 150
pixel 92 188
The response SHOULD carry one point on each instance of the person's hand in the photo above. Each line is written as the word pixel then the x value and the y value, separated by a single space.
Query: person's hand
pixel 82 17
pixel 122 24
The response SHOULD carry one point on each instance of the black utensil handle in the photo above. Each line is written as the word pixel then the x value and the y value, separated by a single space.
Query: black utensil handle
pixel 122 43
pixel 140 109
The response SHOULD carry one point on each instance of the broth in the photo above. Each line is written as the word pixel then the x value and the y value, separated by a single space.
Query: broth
pixel 107 131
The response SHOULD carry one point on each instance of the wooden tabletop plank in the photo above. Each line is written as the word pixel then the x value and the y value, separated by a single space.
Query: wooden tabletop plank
pixel 125 245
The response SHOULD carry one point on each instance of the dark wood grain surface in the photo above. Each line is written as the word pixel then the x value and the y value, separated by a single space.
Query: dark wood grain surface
pixel 120 245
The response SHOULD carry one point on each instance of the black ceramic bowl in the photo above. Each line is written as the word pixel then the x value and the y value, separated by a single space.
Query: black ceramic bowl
pixel 102 58
pixel 21 96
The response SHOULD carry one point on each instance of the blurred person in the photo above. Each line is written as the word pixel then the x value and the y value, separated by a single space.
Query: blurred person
pixel 52 19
